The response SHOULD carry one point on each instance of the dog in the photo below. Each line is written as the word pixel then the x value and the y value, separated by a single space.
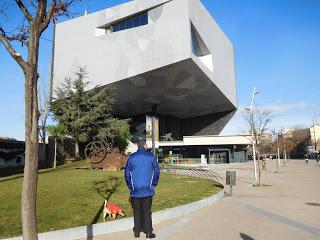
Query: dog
pixel 112 210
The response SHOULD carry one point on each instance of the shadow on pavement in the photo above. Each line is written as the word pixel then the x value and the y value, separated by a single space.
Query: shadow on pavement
pixel 313 204
pixel 245 237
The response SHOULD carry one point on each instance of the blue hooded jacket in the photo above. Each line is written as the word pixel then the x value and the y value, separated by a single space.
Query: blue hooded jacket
pixel 142 174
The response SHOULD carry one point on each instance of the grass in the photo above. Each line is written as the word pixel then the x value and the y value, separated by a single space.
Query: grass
pixel 72 195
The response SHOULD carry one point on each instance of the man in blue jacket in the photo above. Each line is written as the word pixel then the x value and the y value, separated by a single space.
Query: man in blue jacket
pixel 142 174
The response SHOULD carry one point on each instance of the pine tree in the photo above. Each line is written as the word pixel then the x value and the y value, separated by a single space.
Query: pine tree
pixel 87 115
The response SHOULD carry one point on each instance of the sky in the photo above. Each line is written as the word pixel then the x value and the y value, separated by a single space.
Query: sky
pixel 276 45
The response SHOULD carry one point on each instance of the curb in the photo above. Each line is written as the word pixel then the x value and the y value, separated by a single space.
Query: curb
pixel 90 231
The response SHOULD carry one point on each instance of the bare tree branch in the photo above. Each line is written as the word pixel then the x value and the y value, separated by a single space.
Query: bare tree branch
pixel 48 16
pixel 22 36
pixel 3 10
pixel 14 54
pixel 57 9
pixel 41 11
pixel 24 10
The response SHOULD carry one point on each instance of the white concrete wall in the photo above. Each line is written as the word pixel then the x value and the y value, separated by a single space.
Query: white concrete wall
pixel 223 74
pixel 315 135
pixel 119 55
pixel 112 57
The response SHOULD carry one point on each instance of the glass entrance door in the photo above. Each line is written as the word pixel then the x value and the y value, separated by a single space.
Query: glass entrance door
pixel 218 156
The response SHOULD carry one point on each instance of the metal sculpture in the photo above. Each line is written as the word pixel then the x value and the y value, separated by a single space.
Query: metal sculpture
pixel 103 155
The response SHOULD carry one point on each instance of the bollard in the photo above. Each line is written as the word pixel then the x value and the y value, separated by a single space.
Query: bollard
pixel 231 179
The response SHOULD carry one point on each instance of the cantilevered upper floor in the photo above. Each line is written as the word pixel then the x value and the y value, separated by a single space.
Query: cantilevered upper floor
pixel 169 53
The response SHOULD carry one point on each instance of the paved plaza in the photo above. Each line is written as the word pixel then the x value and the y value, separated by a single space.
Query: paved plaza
pixel 287 206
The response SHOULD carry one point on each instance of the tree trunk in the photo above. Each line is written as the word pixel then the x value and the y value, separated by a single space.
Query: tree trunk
pixel 30 178
pixel 55 153
pixel 77 153
pixel 284 158
pixel 44 152
pixel 259 165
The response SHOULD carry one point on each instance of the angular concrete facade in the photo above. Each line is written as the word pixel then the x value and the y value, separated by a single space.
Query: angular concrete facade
pixel 179 61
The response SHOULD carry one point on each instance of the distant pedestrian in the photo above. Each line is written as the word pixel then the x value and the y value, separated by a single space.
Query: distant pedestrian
pixel 306 158
pixel 264 164
pixel 142 174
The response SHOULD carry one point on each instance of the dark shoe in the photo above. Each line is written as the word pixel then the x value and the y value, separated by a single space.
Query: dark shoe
pixel 136 234
pixel 150 235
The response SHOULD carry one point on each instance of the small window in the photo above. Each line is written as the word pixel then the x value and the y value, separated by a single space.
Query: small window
pixel 200 49
pixel 132 22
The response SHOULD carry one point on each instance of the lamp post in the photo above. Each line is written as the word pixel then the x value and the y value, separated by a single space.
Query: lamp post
pixel 284 149
pixel 314 132
pixel 252 134
pixel 279 134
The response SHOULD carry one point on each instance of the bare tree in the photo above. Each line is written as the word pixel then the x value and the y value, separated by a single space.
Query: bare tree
pixel 277 134
pixel 37 15
pixel 44 101
pixel 44 104
pixel 258 121
pixel 45 98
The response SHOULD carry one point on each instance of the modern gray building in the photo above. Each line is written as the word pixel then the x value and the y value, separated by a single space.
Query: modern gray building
pixel 167 58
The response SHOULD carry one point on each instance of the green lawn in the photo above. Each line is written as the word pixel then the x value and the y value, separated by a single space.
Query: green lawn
pixel 69 197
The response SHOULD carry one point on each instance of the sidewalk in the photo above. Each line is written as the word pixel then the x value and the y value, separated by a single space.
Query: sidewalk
pixel 287 206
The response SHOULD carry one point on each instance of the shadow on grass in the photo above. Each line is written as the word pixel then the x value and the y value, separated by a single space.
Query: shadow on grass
pixel 10 177
pixel 8 174
pixel 105 189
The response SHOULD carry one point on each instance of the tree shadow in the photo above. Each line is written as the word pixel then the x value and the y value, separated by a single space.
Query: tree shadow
pixel 313 204
pixel 245 237
pixel 20 175
pixel 105 189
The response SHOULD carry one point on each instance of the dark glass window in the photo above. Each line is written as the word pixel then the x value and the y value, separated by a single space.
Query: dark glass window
pixel 136 21
pixel 116 28
pixel 129 23
pixel 122 25
pixel 194 43
pixel 132 22
pixel 144 18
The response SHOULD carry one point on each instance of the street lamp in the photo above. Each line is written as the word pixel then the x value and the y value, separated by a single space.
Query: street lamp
pixel 314 132
pixel 252 134
pixel 284 148
pixel 279 135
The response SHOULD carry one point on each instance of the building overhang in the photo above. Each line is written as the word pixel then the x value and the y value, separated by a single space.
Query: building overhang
pixel 181 89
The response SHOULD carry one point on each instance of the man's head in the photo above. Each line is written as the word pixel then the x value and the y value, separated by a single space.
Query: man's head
pixel 142 143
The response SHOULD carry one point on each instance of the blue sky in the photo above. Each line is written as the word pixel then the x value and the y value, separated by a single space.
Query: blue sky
pixel 277 49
